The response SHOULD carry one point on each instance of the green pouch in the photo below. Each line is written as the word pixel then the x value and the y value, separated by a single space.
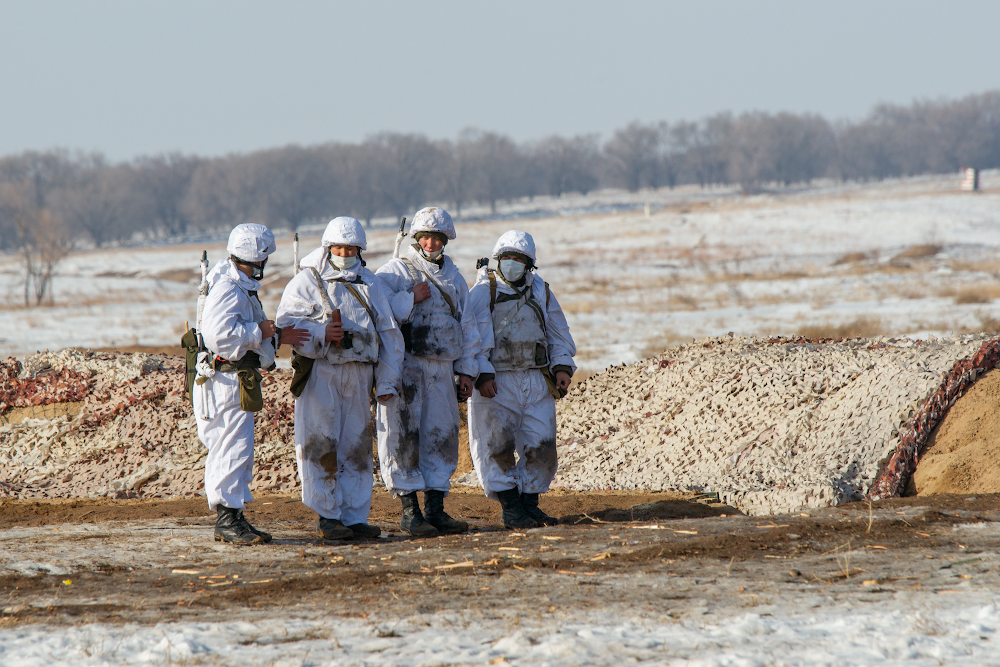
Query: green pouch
pixel 251 394
pixel 189 341
pixel 302 369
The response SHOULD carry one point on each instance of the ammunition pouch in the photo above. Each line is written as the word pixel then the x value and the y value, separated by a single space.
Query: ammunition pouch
pixel 301 370
pixel 247 371
pixel 190 343
pixel 251 394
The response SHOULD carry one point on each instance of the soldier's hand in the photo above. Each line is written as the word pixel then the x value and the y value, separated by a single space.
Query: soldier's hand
pixel 293 336
pixel 335 332
pixel 465 386
pixel 266 329
pixel 383 399
pixel 421 291
pixel 488 389
pixel 562 380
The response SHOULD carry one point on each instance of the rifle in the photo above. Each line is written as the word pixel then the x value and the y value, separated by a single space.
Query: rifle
pixel 202 290
pixel 295 252
pixel 399 238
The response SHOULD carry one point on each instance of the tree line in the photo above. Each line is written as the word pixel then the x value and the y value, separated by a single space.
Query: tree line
pixel 54 200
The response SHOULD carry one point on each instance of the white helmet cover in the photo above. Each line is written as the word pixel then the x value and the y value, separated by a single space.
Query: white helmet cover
pixel 345 231
pixel 515 241
pixel 433 219
pixel 251 242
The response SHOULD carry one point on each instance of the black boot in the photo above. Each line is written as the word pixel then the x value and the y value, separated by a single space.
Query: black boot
pixel 264 536
pixel 365 530
pixel 412 521
pixel 514 515
pixel 529 501
pixel 334 529
pixel 230 527
pixel 435 515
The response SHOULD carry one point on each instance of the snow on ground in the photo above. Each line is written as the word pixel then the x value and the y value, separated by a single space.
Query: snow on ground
pixel 912 256
pixel 920 629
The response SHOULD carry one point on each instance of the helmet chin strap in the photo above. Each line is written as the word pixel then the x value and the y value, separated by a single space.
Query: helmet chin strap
pixel 257 268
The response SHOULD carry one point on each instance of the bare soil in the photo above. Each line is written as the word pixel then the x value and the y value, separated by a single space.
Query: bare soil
pixel 154 561
pixel 963 452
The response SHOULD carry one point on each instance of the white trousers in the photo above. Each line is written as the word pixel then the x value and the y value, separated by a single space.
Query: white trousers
pixel 333 441
pixel 227 431
pixel 512 436
pixel 418 431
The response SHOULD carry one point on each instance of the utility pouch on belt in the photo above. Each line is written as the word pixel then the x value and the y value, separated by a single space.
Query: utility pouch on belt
pixel 189 341
pixel 251 395
pixel 247 371
pixel 301 370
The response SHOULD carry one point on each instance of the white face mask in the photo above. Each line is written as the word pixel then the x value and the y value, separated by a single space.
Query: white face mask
pixel 343 263
pixel 511 269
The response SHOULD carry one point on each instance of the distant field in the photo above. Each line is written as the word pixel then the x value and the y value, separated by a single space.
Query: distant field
pixel 912 256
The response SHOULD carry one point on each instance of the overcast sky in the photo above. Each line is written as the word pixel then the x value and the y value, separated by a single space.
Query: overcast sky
pixel 131 78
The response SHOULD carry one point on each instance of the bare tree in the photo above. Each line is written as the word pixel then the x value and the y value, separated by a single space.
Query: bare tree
pixel 165 181
pixel 633 155
pixel 42 239
pixel 568 165
pixel 497 166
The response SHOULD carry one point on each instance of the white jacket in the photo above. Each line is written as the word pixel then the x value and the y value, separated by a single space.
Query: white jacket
pixel 229 321
pixel 561 348
pixel 435 332
pixel 302 306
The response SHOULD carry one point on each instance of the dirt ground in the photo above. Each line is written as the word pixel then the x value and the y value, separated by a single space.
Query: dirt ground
pixel 71 562
pixel 963 452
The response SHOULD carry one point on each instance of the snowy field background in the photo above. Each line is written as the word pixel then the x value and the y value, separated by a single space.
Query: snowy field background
pixel 918 630
pixel 912 256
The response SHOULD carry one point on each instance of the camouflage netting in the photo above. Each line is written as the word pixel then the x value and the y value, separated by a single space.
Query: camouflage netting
pixel 133 434
pixel 770 424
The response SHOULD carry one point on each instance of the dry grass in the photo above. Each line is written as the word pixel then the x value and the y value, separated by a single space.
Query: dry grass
pixel 856 258
pixel 861 327
pixel 978 294
pixel 658 345
pixel 179 275
pixel 919 251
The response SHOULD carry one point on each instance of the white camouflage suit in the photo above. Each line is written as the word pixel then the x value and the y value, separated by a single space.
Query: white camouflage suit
pixel 229 330
pixel 418 430
pixel 333 425
pixel 512 436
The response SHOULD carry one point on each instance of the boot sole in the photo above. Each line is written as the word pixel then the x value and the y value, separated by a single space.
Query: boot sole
pixel 254 542
pixel 451 531
pixel 350 535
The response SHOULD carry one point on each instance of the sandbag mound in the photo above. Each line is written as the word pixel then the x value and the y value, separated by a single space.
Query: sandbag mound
pixel 130 433
pixel 771 425
pixel 963 452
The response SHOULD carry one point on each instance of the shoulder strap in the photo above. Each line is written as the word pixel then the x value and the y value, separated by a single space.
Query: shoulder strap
pixel 368 309
pixel 430 279
pixel 493 289
pixel 525 299
pixel 371 313
pixel 548 296
pixel 412 269
pixel 537 307
pixel 327 305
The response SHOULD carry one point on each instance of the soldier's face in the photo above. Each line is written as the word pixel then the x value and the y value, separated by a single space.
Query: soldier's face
pixel 344 250
pixel 430 244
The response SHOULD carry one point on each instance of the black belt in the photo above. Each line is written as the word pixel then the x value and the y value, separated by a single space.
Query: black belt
pixel 249 360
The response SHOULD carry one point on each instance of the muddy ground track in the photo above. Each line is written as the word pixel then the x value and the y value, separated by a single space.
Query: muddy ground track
pixel 593 560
